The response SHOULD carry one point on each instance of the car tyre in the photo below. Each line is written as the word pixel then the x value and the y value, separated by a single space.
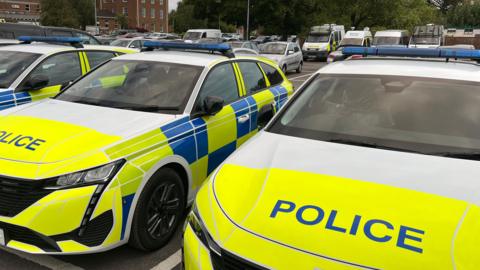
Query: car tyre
pixel 300 68
pixel 159 211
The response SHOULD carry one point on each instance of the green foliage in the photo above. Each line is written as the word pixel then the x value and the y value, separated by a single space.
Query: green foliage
pixel 288 17
pixel 67 13
pixel 464 16
pixel 122 21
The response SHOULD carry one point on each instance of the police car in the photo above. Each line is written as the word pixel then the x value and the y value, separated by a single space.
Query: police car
pixel 373 164
pixel 30 72
pixel 118 155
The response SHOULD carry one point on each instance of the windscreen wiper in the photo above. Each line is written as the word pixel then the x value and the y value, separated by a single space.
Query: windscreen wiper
pixel 370 145
pixel 94 103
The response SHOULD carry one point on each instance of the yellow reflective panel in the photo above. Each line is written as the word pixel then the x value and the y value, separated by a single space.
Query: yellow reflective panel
pixel 199 171
pixel 263 98
pixel 222 128
pixel 72 246
pixel 466 248
pixel 30 139
pixel 57 213
pixel 114 199
pixel 139 145
pixel 191 249
pixel 82 62
pixel 45 92
pixel 357 221
pixel 24 247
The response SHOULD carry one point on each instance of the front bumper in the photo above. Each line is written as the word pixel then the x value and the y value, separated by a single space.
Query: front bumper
pixel 69 221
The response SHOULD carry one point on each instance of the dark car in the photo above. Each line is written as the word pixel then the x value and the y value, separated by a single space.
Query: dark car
pixel 14 31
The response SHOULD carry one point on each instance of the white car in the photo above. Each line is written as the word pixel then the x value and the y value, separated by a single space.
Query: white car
pixel 287 55
pixel 132 43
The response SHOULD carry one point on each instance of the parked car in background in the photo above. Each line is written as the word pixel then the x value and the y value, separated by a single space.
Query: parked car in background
pixel 322 40
pixel 470 36
pixel 31 72
pixel 352 39
pixel 105 40
pixel 262 39
pixel 427 36
pixel 244 44
pixel 287 55
pixel 195 35
pixel 162 36
pixel 16 30
pixel 133 43
pixel 230 37
pixel 391 38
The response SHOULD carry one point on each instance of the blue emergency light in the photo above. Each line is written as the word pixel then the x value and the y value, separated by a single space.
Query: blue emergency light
pixel 210 47
pixel 413 52
pixel 57 39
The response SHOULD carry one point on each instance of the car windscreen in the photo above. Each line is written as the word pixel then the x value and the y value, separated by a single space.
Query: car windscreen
pixel 317 38
pixel 425 40
pixel 378 41
pixel 236 44
pixel 12 64
pixel 423 115
pixel 273 48
pixel 136 85
pixel 192 35
pixel 351 42
pixel 120 42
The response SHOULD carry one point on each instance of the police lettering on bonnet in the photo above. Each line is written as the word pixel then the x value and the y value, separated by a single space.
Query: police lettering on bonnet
pixel 19 140
pixel 405 233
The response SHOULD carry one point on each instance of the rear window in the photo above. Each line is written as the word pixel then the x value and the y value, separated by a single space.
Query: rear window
pixel 252 77
pixel 97 58
pixel 430 116
pixel 272 73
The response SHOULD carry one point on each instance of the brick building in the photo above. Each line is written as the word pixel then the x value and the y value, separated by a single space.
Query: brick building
pixel 20 10
pixel 151 15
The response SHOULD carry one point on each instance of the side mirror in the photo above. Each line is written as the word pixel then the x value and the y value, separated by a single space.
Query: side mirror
pixel 296 49
pixel 290 52
pixel 212 105
pixel 65 85
pixel 36 82
pixel 264 116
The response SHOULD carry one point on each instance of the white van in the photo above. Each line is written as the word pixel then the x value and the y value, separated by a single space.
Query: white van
pixel 391 38
pixel 322 40
pixel 195 35
pixel 427 36
pixel 351 39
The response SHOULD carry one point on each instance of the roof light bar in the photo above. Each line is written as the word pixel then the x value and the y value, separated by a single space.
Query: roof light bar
pixel 211 47
pixel 58 39
pixel 414 52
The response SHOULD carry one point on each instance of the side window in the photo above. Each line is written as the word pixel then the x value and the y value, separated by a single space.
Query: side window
pixel 86 39
pixel 97 58
pixel 272 74
pixel 60 68
pixel 220 82
pixel 252 76
pixel 135 44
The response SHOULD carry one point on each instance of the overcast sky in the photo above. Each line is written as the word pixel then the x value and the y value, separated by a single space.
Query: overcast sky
pixel 172 4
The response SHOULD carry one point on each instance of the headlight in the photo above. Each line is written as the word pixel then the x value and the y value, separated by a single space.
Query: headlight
pixel 200 230
pixel 97 175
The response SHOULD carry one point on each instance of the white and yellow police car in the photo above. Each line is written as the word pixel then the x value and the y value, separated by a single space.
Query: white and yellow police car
pixel 373 164
pixel 30 72
pixel 118 155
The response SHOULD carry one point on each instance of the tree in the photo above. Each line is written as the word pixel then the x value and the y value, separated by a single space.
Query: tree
pixel 58 13
pixel 122 21
pixel 85 12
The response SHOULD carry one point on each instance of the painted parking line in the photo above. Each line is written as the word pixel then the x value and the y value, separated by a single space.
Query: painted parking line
pixel 298 77
pixel 170 262
pixel 43 260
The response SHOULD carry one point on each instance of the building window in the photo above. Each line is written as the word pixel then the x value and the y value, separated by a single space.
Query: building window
pixel 144 12
pixel 125 1
pixel 125 11
pixel 152 13
pixel 143 1
pixel 15 6
pixel 161 2
pixel 27 7
pixel 161 14
pixel 152 2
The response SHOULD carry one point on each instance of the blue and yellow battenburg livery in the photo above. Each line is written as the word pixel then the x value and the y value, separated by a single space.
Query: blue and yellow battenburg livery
pixel 116 152
pixel 56 64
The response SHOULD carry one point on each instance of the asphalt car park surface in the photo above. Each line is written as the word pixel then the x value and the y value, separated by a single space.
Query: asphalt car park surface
pixel 123 257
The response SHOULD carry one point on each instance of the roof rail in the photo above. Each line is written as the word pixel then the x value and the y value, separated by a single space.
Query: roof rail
pixel 414 52
pixel 223 48
pixel 73 41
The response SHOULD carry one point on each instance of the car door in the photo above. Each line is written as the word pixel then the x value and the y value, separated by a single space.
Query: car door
pixel 291 57
pixel 261 95
pixel 217 135
pixel 59 69
pixel 93 59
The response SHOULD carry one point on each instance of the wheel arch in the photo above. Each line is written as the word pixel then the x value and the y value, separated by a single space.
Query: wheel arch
pixel 175 162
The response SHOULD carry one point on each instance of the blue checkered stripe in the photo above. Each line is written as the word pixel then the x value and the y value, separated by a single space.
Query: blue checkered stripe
pixel 10 99
pixel 281 96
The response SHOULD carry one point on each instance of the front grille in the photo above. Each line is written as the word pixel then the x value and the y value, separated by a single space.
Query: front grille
pixel 228 261
pixel 24 235
pixel 17 195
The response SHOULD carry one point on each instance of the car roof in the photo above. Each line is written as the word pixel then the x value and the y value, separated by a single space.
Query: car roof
pixel 45 48
pixel 391 33
pixel 438 69
pixel 177 57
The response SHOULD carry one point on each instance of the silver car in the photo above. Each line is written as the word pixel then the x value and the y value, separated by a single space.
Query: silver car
pixel 288 55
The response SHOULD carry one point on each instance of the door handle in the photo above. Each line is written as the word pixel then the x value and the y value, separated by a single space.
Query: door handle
pixel 243 119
